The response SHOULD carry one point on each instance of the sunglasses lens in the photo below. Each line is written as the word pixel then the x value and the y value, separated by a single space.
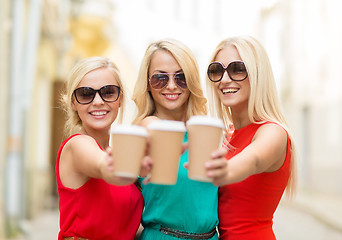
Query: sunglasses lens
pixel 84 95
pixel 158 81
pixel 180 80
pixel 237 71
pixel 110 93
pixel 215 72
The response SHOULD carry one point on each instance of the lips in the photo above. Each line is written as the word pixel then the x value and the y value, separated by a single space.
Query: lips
pixel 229 90
pixel 171 96
pixel 98 113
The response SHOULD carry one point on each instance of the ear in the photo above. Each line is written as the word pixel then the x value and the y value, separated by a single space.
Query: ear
pixel 73 105
pixel 119 101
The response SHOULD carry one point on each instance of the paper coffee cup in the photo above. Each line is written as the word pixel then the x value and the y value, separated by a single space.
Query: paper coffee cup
pixel 166 139
pixel 204 136
pixel 128 150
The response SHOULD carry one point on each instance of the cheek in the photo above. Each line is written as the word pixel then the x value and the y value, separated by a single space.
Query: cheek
pixel 115 106
pixel 154 94
pixel 217 87
pixel 187 92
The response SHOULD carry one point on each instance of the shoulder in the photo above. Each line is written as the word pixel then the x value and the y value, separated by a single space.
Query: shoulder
pixel 80 142
pixel 271 131
pixel 146 121
pixel 79 139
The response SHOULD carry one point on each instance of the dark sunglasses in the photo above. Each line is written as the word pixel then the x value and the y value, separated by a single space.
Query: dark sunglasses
pixel 160 80
pixel 108 93
pixel 236 71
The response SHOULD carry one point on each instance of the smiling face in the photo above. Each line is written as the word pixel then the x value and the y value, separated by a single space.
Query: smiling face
pixel 97 115
pixel 170 101
pixel 233 94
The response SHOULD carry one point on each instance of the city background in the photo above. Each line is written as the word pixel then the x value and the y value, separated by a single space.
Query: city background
pixel 40 41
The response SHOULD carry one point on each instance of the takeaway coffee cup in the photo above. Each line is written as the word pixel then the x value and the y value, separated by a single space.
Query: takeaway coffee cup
pixel 205 136
pixel 166 139
pixel 128 150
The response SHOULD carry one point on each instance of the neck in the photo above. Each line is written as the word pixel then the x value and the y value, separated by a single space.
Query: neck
pixel 176 115
pixel 240 119
pixel 102 136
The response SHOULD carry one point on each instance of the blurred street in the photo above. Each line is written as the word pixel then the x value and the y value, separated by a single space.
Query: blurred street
pixel 307 217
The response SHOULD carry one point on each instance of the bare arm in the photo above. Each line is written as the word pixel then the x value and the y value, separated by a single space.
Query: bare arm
pixel 82 159
pixel 266 153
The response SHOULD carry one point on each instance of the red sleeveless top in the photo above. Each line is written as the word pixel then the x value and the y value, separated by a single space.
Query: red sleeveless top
pixel 246 208
pixel 98 210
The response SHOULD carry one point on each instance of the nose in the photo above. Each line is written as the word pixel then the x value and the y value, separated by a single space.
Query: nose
pixel 225 77
pixel 171 84
pixel 97 99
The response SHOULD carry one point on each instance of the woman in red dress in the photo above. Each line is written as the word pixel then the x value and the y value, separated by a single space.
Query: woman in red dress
pixel 90 205
pixel 261 157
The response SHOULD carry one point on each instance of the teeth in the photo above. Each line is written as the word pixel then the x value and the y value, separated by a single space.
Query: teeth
pixel 172 95
pixel 229 90
pixel 98 113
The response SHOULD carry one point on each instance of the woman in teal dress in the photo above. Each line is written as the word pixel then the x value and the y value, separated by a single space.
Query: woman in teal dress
pixel 168 87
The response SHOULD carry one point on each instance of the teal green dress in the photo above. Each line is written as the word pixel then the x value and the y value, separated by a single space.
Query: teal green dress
pixel 187 206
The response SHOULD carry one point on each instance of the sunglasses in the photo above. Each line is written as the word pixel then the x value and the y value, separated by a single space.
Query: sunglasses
pixel 236 71
pixel 160 80
pixel 108 93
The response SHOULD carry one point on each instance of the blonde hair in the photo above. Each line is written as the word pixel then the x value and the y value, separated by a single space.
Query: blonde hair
pixel 74 123
pixel 197 104
pixel 263 104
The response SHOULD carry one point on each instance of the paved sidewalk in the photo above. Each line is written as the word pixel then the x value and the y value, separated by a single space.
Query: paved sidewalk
pixel 309 216
pixel 44 227
pixel 326 209
pixel 296 221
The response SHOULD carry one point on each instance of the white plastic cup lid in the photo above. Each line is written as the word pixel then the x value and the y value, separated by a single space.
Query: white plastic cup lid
pixel 129 129
pixel 167 125
pixel 205 120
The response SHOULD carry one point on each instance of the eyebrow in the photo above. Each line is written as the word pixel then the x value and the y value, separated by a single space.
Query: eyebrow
pixel 160 71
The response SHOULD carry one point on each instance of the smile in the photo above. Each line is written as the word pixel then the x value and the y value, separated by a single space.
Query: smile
pixel 98 113
pixel 171 96
pixel 229 90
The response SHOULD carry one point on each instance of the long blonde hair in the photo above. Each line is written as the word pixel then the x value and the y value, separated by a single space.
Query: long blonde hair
pixel 74 123
pixel 197 104
pixel 263 104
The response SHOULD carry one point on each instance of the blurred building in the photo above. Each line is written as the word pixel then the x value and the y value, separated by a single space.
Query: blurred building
pixel 40 42
pixel 4 80
pixel 41 39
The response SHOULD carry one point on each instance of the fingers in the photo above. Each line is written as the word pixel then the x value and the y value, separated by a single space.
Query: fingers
pixel 217 167
pixel 146 166
pixel 219 153
pixel 147 163
pixel 218 171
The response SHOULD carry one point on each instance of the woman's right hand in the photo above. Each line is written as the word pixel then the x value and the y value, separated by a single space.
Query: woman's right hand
pixel 107 171
pixel 217 167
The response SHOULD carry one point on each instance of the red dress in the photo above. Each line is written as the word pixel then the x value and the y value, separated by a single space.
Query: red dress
pixel 246 208
pixel 98 210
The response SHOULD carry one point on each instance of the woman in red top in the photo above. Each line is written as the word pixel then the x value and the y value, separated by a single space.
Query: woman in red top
pixel 260 165
pixel 91 207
